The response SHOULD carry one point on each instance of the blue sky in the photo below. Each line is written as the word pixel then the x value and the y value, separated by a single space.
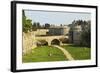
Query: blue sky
pixel 56 18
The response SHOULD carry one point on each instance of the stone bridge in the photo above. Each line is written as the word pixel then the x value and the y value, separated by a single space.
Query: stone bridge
pixel 30 40
pixel 51 39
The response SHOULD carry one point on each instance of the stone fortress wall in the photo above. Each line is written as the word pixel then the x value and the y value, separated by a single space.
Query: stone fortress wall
pixel 30 39
pixel 28 42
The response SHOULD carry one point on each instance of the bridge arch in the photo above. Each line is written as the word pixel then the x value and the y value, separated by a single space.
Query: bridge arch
pixel 55 42
pixel 42 43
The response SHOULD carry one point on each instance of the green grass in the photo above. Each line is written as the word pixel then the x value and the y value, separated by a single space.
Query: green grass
pixel 78 52
pixel 42 54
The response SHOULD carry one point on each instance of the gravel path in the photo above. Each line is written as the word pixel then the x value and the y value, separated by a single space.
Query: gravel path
pixel 66 53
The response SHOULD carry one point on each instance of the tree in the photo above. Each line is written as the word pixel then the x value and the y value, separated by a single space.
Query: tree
pixel 35 26
pixel 38 25
pixel 23 17
pixel 27 23
pixel 47 25
pixel 61 25
pixel 86 35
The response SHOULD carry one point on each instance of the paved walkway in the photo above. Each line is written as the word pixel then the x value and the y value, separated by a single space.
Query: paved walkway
pixel 66 53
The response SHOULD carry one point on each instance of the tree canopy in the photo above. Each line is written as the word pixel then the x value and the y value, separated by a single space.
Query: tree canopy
pixel 27 23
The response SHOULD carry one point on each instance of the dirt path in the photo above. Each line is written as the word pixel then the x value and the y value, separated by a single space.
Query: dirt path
pixel 66 53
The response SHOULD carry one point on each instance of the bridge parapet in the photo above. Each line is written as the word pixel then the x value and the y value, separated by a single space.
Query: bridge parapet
pixel 50 38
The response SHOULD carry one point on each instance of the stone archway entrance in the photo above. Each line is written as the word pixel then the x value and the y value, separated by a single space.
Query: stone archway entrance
pixel 55 42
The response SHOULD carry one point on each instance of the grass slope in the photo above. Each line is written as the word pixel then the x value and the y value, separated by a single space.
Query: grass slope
pixel 43 54
pixel 78 53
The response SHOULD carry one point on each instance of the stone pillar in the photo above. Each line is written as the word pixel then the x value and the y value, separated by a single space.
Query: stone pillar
pixel 61 43
pixel 49 43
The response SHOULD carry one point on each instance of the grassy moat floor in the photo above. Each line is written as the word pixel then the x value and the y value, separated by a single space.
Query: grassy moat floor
pixel 44 54
pixel 50 53
pixel 78 52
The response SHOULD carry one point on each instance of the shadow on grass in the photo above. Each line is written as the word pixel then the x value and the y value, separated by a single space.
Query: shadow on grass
pixel 76 45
